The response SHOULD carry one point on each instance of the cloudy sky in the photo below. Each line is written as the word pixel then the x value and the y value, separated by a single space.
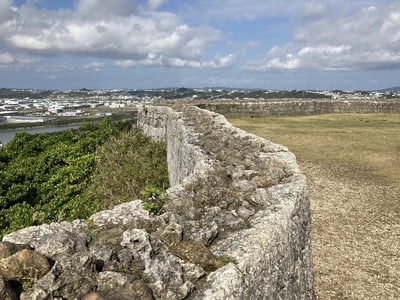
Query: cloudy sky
pixel 276 44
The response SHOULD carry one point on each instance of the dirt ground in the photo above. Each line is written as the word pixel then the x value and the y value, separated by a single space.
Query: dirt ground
pixel 355 235
pixel 352 164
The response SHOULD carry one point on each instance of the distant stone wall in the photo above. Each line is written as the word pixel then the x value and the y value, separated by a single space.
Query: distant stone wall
pixel 291 107
pixel 242 196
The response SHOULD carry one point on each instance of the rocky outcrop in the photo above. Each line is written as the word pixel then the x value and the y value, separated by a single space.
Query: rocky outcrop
pixel 114 255
pixel 236 226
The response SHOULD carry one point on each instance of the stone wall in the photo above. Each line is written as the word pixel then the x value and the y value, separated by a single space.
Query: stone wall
pixel 290 107
pixel 242 196
pixel 236 226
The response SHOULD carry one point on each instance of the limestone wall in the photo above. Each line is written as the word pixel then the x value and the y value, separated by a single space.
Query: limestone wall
pixel 236 226
pixel 291 107
pixel 242 196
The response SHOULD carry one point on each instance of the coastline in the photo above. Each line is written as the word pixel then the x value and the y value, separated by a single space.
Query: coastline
pixel 8 131
pixel 69 121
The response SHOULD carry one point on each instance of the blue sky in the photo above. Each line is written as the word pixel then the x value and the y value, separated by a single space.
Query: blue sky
pixel 270 44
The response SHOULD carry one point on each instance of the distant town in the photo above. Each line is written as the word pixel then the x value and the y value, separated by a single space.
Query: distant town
pixel 39 106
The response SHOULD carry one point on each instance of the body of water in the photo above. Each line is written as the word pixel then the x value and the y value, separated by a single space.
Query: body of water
pixel 8 134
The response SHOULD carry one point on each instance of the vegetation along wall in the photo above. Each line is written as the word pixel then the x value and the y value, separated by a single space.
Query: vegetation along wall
pixel 243 197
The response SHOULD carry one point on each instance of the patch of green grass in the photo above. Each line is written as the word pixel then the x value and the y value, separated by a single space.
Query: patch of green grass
pixel 129 167
pixel 366 146
pixel 153 199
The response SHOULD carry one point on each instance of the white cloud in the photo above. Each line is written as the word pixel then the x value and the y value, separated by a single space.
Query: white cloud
pixel 16 61
pixel 156 4
pixel 313 9
pixel 366 40
pixel 126 64
pixel 239 9
pixel 334 34
pixel 6 12
pixel 65 67
pixel 6 58
pixel 220 62
pixel 250 10
pixel 155 60
pixel 95 66
pixel 101 8
pixel 107 29
pixel 216 63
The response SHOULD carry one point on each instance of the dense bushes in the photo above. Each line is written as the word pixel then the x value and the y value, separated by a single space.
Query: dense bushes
pixel 69 175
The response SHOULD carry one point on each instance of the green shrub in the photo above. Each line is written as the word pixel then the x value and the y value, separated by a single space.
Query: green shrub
pixel 153 199
pixel 126 166
pixel 72 174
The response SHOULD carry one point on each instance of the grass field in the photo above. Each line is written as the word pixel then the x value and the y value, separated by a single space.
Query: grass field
pixel 352 163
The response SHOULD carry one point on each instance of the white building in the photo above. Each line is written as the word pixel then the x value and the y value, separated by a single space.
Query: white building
pixel 20 119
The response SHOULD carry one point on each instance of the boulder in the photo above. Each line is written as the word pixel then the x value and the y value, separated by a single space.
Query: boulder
pixel 122 214
pixel 52 240
pixel 7 249
pixel 24 265
pixel 70 278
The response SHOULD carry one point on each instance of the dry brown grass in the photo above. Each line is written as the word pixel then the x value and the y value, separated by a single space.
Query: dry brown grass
pixel 352 165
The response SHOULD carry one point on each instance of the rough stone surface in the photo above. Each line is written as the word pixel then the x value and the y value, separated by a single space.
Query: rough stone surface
pixel 302 107
pixel 197 253
pixel 163 270
pixel 52 240
pixel 7 249
pixel 242 196
pixel 227 283
pixel 24 264
pixel 69 278
pixel 236 226
pixel 8 290
pixel 122 287
pixel 122 214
